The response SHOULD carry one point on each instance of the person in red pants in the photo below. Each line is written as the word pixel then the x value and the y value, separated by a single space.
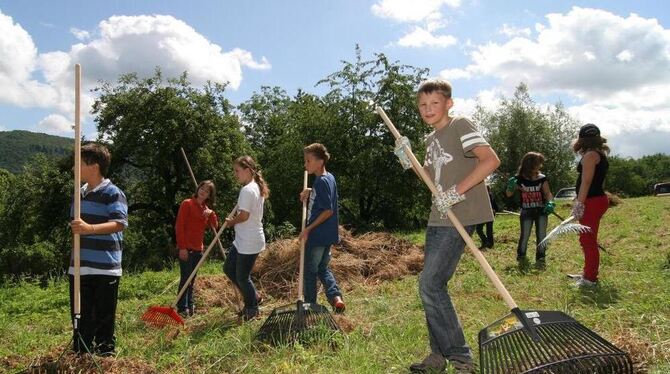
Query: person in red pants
pixel 591 202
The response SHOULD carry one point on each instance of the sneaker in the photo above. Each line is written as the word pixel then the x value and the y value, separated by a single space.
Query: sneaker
pixel 462 365
pixel 583 282
pixel 574 276
pixel 338 304
pixel 432 363
pixel 250 315
pixel 184 313
pixel 540 264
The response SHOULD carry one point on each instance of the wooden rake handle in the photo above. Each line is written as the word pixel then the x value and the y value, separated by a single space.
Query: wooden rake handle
pixel 204 257
pixel 493 277
pixel 76 243
pixel 195 182
pixel 301 296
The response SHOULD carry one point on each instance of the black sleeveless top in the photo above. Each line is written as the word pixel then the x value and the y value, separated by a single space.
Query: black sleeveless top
pixel 598 182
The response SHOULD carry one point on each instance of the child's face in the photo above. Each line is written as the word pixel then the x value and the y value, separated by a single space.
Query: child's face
pixel 88 172
pixel 312 163
pixel 203 193
pixel 434 108
pixel 243 175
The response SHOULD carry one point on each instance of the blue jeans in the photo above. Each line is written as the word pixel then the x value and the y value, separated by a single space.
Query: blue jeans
pixel 443 250
pixel 185 270
pixel 316 265
pixel 238 268
pixel 526 220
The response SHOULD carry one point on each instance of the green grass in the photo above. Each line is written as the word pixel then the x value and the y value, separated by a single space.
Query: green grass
pixel 630 307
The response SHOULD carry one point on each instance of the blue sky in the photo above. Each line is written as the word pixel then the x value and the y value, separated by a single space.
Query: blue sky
pixel 608 62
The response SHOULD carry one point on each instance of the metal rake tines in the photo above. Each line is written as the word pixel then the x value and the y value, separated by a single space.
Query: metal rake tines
pixel 565 347
pixel 288 325
pixel 564 228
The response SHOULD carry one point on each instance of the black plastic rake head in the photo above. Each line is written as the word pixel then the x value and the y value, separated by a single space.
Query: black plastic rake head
pixel 566 346
pixel 299 322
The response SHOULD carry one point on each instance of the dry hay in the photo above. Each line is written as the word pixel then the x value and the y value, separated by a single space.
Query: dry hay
pixel 72 363
pixel 365 259
pixel 641 351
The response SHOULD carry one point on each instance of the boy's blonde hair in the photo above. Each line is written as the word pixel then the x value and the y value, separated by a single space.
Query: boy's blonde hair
pixel 435 85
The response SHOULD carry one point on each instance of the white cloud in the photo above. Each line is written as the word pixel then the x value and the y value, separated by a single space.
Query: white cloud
pixel 411 10
pixel 123 44
pixel 453 74
pixel 82 35
pixel 512 31
pixel 625 56
pixel 56 123
pixel 421 37
pixel 426 16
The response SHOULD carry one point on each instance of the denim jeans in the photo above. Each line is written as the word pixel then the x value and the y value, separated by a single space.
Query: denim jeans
pixel 316 265
pixel 238 268
pixel 185 270
pixel 443 250
pixel 526 221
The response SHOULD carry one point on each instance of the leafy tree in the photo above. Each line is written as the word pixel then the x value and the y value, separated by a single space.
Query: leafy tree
pixel 146 122
pixel 519 126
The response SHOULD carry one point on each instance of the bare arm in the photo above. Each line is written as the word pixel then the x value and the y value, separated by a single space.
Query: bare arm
pixel 589 162
pixel 83 228
pixel 547 191
pixel 488 162
pixel 242 216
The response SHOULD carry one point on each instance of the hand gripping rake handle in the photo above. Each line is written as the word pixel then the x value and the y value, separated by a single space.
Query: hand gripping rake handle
pixel 204 257
pixel 301 296
pixel 493 277
pixel 195 182
pixel 76 244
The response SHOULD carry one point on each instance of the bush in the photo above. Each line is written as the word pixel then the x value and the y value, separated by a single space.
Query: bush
pixel 41 258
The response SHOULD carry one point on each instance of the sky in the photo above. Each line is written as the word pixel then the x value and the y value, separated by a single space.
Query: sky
pixel 607 62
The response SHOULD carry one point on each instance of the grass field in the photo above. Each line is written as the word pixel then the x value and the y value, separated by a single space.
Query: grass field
pixel 385 322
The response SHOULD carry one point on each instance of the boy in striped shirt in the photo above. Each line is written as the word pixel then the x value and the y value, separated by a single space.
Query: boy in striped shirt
pixel 104 216
pixel 458 159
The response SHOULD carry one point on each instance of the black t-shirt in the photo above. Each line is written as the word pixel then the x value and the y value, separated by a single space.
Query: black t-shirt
pixel 531 191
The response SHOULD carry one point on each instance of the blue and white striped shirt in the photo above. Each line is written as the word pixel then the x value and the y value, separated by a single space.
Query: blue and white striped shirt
pixel 101 254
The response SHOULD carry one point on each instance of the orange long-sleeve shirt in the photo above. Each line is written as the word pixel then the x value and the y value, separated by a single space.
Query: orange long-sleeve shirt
pixel 191 225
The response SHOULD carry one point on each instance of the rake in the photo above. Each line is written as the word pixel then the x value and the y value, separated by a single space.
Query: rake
pixel 565 227
pixel 299 322
pixel 161 316
pixel 541 341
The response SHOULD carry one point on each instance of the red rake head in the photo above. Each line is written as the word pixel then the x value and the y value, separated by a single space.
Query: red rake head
pixel 161 316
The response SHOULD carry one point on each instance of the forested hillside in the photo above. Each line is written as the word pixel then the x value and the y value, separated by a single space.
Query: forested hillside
pixel 17 146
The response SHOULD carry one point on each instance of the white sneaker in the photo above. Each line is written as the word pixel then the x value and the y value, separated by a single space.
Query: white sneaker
pixel 583 282
pixel 574 276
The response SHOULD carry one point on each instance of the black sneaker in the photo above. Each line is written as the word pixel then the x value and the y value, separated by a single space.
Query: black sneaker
pixel 433 363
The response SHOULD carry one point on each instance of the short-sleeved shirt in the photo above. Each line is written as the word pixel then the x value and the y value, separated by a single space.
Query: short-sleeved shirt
pixel 101 254
pixel 249 236
pixel 323 197
pixel 531 191
pixel 449 159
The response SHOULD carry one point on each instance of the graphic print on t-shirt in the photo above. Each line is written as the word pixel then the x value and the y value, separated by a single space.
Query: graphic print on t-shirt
pixel 437 157
pixel 531 196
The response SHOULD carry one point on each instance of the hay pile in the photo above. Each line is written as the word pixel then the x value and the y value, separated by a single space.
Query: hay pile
pixel 362 260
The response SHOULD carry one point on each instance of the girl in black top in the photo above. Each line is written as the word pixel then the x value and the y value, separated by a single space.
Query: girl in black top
pixel 535 196
pixel 591 202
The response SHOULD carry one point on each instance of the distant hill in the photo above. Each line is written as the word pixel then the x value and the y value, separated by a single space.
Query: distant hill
pixel 18 146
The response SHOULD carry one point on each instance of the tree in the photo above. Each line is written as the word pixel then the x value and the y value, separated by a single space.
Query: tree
pixel 146 122
pixel 519 126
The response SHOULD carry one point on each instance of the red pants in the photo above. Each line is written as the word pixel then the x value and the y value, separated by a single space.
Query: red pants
pixel 594 209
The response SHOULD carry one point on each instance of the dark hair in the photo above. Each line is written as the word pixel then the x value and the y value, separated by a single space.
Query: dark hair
pixel 211 199
pixel 96 153
pixel 530 162
pixel 319 151
pixel 435 85
pixel 589 139
pixel 247 162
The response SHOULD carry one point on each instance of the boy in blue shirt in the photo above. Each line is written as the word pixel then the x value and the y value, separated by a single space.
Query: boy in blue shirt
pixel 104 215
pixel 321 230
